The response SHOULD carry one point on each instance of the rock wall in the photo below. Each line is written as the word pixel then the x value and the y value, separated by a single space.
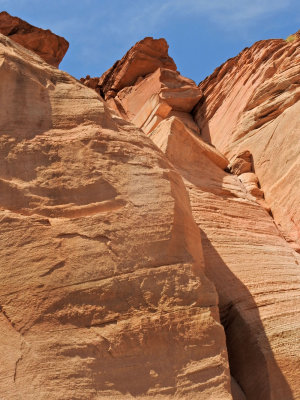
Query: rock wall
pixel 120 260
pixel 102 290
pixel 255 270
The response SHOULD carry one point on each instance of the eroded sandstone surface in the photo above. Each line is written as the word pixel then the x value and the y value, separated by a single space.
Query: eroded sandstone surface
pixel 50 47
pixel 103 291
pixel 252 103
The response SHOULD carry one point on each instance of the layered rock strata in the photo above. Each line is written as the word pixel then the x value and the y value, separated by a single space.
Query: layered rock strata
pixel 50 47
pixel 251 103
pixel 102 290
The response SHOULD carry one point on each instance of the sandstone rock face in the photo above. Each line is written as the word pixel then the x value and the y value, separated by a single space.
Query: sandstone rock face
pixel 102 290
pixel 252 103
pixel 255 271
pixel 50 47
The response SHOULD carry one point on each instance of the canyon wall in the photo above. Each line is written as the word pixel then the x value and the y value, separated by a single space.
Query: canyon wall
pixel 252 103
pixel 149 226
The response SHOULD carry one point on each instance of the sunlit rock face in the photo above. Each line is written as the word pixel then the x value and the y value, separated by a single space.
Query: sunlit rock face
pixel 50 47
pixel 103 291
pixel 252 103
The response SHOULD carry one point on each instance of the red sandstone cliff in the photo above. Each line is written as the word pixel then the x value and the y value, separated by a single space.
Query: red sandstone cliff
pixel 120 260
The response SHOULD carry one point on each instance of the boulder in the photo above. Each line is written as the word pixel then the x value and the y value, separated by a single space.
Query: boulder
pixel 50 47
pixel 142 59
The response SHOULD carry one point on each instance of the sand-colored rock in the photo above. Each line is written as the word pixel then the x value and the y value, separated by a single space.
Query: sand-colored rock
pixel 50 47
pixel 103 293
pixel 142 59
pixel 255 271
pixel 252 103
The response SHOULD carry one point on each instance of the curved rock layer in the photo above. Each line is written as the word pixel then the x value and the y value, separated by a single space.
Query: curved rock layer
pixel 102 290
pixel 252 103
pixel 50 47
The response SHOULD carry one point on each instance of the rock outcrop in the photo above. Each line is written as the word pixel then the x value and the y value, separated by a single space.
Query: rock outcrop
pixel 252 103
pixel 142 59
pixel 50 47
pixel 255 271
pixel 102 291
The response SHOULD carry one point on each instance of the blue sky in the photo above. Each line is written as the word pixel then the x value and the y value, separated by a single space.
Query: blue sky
pixel 202 34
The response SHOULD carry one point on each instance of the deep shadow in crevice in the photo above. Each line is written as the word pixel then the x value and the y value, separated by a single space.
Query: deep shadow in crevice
pixel 252 362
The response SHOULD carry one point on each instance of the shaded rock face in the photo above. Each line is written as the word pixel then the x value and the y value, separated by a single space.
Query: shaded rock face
pixel 252 103
pixel 103 291
pixel 50 47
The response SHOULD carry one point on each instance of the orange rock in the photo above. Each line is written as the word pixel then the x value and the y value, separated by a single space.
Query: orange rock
pixel 102 290
pixel 50 47
pixel 142 59
pixel 252 103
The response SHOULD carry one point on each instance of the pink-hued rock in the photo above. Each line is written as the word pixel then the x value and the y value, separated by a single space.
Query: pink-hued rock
pixel 50 47
pixel 103 292
pixel 255 271
pixel 241 163
pixel 252 103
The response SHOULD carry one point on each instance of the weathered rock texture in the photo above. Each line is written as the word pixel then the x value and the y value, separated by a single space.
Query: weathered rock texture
pixel 102 290
pixel 50 47
pixel 252 103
